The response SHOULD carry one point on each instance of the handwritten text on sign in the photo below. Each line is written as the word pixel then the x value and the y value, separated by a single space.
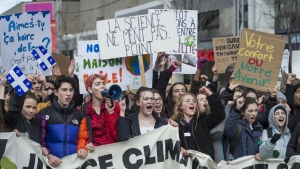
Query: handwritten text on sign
pixel 20 34
pixel 259 59
pixel 137 35
pixel 121 71
pixel 225 53
pixel 187 31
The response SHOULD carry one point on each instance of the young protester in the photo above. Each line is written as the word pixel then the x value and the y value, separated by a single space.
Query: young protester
pixel 292 93
pixel 276 97
pixel 198 80
pixel 5 91
pixel 293 147
pixel 77 98
pixel 144 120
pixel 195 124
pixel 276 137
pixel 176 90
pixel 63 120
pixel 161 78
pixel 159 103
pixel 244 133
pixel 100 125
pixel 220 90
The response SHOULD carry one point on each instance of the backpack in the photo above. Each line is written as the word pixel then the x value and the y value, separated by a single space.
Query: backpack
pixel 88 121
pixel 238 134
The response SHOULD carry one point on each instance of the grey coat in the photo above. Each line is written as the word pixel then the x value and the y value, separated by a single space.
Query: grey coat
pixel 217 133
pixel 266 148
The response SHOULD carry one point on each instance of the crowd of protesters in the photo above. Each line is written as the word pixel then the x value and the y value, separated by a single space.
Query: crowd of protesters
pixel 225 123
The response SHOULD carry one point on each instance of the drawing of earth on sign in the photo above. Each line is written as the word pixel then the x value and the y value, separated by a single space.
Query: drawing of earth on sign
pixel 132 64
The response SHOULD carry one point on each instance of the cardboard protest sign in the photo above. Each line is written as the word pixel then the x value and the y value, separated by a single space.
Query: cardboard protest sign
pixel 284 65
pixel 225 53
pixel 62 61
pixel 122 71
pixel 187 31
pixel 137 35
pixel 284 79
pixel 20 34
pixel 259 60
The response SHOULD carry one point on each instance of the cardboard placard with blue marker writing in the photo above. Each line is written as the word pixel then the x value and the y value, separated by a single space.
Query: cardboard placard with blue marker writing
pixel 259 60
pixel 20 34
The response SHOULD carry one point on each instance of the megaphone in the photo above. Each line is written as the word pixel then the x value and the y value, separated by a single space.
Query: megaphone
pixel 113 93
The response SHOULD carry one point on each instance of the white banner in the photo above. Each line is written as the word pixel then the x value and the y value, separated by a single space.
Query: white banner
pixel 159 149
pixel 19 153
pixel 187 31
pixel 20 34
pixel 296 63
pixel 284 65
pixel 136 35
pixel 121 71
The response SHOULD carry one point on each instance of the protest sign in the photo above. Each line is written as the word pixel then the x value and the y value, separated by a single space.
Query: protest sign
pixel 284 65
pixel 40 6
pixel 137 35
pixel 284 79
pixel 62 61
pixel 20 34
pixel 225 53
pixel 187 31
pixel 296 62
pixel 259 60
pixel 122 71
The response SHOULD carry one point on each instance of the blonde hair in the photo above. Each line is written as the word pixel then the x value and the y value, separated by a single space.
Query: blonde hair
pixel 178 113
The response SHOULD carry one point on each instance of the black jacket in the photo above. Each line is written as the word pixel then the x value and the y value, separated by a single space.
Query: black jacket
pixel 201 127
pixel 14 120
pixel 295 113
pixel 160 83
pixel 293 148
pixel 128 127
pixel 77 98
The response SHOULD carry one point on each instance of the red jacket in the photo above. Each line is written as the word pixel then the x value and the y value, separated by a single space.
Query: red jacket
pixel 104 126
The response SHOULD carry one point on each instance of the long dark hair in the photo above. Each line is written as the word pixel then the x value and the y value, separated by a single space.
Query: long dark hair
pixel 170 103
pixel 248 100
pixel 249 91
pixel 138 95
pixel 163 110
pixel 3 127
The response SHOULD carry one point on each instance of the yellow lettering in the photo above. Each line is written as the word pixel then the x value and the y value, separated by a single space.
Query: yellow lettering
pixel 241 51
pixel 270 48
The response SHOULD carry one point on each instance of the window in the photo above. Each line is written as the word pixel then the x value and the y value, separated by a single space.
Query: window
pixel 208 25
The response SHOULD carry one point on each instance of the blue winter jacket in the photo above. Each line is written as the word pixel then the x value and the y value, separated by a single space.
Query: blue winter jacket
pixel 248 140
pixel 62 128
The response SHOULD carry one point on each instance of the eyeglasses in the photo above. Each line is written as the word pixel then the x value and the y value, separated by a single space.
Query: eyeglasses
pixel 158 99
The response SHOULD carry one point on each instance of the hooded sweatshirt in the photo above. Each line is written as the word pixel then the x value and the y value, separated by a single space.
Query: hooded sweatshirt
pixel 267 149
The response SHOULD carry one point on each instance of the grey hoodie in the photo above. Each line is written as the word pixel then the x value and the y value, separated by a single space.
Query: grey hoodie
pixel 266 148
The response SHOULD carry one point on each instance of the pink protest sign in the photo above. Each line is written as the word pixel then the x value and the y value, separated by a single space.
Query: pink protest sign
pixel 39 6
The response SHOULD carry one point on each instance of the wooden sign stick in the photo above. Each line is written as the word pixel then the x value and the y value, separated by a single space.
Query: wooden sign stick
pixel 142 70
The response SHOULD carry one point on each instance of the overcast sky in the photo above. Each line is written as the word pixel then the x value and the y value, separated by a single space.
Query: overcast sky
pixel 7 4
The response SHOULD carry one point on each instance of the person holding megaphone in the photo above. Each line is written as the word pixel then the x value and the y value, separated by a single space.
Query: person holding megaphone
pixel 99 127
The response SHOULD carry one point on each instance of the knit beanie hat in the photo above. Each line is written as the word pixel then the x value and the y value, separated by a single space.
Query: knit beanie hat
pixel 280 95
